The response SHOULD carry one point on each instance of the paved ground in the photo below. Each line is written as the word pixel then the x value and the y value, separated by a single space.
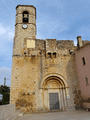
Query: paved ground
pixel 7 112
pixel 79 115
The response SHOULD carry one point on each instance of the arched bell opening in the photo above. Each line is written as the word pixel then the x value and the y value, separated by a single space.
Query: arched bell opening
pixel 54 94
pixel 25 16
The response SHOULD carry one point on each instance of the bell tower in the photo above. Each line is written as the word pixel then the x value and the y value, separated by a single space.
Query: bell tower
pixel 25 28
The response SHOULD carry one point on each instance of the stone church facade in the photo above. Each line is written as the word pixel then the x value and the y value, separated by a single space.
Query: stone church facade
pixel 43 71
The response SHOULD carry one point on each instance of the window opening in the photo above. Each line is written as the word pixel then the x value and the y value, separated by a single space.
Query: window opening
pixel 25 17
pixel 49 54
pixel 54 54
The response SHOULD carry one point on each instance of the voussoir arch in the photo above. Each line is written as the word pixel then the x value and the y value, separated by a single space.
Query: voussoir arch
pixel 58 77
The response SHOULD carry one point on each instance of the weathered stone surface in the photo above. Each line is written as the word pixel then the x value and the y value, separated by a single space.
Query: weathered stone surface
pixel 47 68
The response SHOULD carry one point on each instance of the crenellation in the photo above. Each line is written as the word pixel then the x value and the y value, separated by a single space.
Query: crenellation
pixel 40 44
pixel 65 44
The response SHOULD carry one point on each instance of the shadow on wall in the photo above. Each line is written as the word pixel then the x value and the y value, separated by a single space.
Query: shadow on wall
pixel 74 92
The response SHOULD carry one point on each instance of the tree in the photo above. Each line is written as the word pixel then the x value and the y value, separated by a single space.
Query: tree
pixel 5 91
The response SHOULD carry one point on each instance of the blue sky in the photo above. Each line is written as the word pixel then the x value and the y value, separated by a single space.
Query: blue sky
pixel 60 19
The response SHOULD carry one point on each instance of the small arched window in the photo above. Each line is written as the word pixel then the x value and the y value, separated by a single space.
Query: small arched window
pixel 25 17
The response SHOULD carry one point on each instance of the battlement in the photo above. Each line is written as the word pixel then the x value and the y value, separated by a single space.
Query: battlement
pixel 65 44
pixel 52 44
pixel 47 47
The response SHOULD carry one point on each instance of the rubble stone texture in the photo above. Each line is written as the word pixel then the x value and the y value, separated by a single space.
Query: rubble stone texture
pixel 49 67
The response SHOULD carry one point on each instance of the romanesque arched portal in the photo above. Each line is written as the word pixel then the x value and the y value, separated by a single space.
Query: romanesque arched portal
pixel 54 93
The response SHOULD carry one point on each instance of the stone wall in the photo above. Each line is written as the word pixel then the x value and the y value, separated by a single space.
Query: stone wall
pixel 32 66
pixel 28 73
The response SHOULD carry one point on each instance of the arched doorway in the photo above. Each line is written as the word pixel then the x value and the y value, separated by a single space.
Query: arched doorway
pixel 54 93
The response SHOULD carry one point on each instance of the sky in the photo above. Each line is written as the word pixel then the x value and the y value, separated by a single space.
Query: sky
pixel 59 19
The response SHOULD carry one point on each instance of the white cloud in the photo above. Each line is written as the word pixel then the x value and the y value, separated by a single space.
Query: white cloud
pixel 10 34
pixel 5 72
pixel 7 32
pixel 2 30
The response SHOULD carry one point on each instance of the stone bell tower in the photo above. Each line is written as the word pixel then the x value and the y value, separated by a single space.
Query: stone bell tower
pixel 24 41
pixel 25 28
